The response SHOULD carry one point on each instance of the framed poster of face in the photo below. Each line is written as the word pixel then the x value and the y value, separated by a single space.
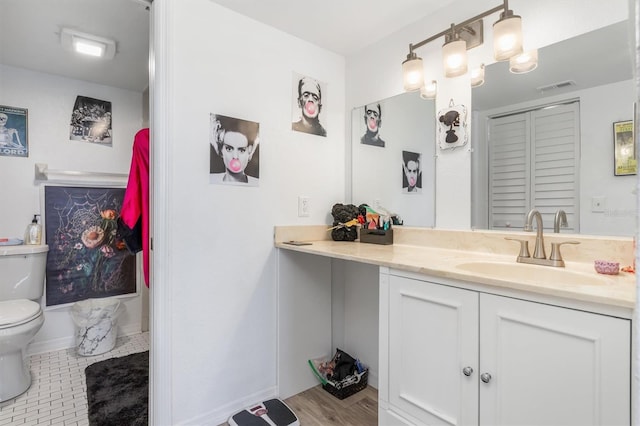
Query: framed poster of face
pixel 14 140
pixel 625 161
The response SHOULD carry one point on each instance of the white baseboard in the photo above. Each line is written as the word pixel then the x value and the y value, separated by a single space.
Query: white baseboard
pixel 372 380
pixel 68 342
pixel 221 414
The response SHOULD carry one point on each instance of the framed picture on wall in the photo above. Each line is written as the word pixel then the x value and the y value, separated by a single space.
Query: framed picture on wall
pixel 234 157
pixel 625 161
pixel 372 124
pixel 13 132
pixel 86 258
pixel 91 121
pixel 452 126
pixel 308 98
pixel 411 172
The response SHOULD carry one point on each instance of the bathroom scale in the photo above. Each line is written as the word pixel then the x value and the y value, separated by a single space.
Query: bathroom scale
pixel 273 412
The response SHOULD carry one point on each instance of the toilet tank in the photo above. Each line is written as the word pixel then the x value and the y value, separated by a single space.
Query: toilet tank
pixel 22 271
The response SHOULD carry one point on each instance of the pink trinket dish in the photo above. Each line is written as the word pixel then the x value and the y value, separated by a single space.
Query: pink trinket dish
pixel 606 267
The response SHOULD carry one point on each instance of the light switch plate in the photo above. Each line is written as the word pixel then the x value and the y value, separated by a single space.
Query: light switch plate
pixel 304 206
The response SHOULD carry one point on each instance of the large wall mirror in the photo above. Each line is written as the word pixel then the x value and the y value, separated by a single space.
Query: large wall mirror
pixel 393 157
pixel 581 87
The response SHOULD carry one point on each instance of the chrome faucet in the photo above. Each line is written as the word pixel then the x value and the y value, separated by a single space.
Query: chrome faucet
pixel 538 252
pixel 559 220
pixel 539 255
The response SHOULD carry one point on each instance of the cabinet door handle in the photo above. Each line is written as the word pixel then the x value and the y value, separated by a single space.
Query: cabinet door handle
pixel 467 371
pixel 485 377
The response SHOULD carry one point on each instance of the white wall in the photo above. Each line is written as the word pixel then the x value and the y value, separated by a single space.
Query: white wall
pixel 49 100
pixel 599 109
pixel 361 298
pixel 221 271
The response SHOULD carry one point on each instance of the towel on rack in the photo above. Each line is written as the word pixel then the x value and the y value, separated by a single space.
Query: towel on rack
pixel 134 217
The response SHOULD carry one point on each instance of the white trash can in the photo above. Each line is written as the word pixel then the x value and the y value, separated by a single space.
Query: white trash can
pixel 95 321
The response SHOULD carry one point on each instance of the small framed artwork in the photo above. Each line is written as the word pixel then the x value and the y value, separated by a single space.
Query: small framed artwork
pixel 91 121
pixel 308 99
pixel 411 172
pixel 13 132
pixel 452 126
pixel 234 151
pixel 625 161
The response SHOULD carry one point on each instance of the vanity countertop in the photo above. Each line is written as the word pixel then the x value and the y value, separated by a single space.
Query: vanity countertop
pixel 432 254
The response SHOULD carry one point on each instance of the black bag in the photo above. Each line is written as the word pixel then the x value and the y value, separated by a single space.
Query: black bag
pixel 344 365
pixel 343 213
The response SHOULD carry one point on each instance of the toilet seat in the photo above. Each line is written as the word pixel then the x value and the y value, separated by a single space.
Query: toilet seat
pixel 17 312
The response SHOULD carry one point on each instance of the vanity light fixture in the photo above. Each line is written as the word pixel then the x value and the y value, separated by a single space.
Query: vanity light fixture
pixel 477 76
pixel 412 72
pixel 454 54
pixel 87 44
pixel 507 35
pixel 524 62
pixel 429 90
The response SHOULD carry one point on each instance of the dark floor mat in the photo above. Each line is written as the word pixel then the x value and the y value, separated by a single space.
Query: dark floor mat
pixel 118 391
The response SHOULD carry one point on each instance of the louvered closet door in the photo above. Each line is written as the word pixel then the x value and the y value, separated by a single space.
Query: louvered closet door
pixel 533 163
pixel 509 142
pixel 554 172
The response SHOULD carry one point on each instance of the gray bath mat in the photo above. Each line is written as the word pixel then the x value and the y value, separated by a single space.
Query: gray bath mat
pixel 118 391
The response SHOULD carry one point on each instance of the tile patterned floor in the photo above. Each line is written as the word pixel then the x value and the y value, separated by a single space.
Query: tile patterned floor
pixel 58 393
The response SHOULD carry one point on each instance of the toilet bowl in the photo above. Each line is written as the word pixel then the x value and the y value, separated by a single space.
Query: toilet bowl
pixel 21 288
pixel 20 320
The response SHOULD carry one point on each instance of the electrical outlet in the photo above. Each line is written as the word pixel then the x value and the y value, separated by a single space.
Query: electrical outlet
pixel 598 204
pixel 304 206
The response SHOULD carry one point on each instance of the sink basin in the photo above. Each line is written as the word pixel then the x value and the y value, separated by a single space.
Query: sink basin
pixel 538 274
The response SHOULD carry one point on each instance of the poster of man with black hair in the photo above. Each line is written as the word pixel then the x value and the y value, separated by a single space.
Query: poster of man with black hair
pixel 411 173
pixel 307 93
pixel 373 122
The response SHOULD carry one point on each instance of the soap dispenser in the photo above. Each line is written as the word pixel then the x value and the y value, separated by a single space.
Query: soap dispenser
pixel 33 234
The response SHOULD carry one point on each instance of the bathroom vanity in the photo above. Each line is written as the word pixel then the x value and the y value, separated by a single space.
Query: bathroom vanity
pixel 458 353
pixel 468 336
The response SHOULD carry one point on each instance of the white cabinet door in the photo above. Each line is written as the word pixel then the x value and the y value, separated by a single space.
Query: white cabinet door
pixel 552 366
pixel 433 336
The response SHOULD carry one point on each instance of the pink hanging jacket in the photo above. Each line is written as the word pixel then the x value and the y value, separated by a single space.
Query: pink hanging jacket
pixel 134 217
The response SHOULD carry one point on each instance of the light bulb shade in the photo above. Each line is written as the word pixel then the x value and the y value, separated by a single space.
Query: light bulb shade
pixel 507 36
pixel 477 76
pixel 412 73
pixel 524 62
pixel 429 90
pixel 454 58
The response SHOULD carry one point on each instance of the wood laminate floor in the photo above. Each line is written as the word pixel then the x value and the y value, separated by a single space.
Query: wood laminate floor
pixel 317 407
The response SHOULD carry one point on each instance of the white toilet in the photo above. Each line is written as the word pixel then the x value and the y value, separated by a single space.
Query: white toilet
pixel 22 271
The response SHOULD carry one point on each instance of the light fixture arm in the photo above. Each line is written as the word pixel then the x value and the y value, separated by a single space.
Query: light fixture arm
pixel 507 45
pixel 455 28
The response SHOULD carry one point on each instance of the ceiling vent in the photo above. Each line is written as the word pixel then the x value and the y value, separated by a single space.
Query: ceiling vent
pixel 554 86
